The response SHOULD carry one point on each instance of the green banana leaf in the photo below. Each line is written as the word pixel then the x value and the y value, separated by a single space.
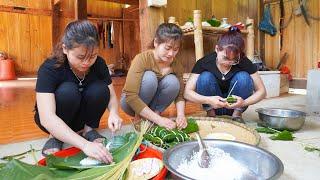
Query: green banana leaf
pixel 66 168
pixel 121 148
pixel 2 165
pixel 191 127
pixel 16 169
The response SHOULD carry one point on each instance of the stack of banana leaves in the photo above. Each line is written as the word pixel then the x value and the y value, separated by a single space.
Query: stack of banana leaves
pixel 123 149
pixel 165 139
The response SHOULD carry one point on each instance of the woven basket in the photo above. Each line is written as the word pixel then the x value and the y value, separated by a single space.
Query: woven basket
pixel 241 132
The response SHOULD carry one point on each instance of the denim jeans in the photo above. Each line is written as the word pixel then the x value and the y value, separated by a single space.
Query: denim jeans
pixel 207 85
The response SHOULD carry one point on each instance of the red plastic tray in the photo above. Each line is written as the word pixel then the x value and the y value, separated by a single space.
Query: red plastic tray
pixel 145 152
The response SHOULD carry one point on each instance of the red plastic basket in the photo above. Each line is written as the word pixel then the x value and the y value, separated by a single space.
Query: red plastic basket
pixel 145 152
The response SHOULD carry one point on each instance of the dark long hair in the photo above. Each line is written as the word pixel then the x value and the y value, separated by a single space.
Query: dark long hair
pixel 77 33
pixel 232 41
pixel 167 32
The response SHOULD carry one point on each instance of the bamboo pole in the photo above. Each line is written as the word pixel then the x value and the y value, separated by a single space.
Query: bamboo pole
pixel 172 19
pixel 250 39
pixel 198 37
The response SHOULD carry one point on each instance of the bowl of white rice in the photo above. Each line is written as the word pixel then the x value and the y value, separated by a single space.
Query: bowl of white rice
pixel 228 160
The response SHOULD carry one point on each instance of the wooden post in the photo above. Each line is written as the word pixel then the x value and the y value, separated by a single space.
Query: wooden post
pixel 80 9
pixel 198 37
pixel 150 19
pixel 250 39
pixel 55 22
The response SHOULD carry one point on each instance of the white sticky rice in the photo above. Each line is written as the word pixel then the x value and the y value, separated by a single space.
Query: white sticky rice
pixel 222 166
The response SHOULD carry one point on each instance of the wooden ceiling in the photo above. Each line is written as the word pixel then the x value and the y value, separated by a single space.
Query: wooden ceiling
pixel 131 2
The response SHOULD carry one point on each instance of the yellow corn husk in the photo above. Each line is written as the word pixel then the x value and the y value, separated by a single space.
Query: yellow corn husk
pixel 117 172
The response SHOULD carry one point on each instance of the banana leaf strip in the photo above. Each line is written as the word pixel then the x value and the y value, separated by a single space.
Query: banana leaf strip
pixel 283 136
pixel 267 130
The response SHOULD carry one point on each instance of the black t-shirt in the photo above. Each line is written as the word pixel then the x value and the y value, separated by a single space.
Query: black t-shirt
pixel 50 77
pixel 208 63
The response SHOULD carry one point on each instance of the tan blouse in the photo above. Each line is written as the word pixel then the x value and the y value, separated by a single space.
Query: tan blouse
pixel 142 62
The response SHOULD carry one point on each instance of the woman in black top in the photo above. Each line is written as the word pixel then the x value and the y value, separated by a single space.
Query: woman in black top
pixel 214 75
pixel 72 92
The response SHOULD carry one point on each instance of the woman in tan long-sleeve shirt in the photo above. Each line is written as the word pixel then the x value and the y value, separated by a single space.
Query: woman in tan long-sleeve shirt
pixel 154 80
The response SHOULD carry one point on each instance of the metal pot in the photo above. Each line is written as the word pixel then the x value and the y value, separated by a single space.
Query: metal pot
pixel 281 119
pixel 260 163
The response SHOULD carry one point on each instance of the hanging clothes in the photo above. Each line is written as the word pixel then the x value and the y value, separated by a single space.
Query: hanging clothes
pixel 100 31
pixel 112 33
pixel 104 38
pixel 109 34
pixel 266 24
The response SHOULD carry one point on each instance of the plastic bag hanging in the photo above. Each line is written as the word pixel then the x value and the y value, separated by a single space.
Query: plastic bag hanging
pixel 266 24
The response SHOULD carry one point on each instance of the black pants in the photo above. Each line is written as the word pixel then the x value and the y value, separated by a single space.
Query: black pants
pixel 77 108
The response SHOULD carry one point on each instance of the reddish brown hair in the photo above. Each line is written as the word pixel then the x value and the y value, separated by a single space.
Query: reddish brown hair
pixel 232 41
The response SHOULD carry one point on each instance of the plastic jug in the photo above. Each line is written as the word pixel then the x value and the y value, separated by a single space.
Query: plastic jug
pixel 313 92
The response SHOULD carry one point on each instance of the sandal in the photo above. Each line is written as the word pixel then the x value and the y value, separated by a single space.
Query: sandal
pixel 52 143
pixel 93 135
pixel 238 119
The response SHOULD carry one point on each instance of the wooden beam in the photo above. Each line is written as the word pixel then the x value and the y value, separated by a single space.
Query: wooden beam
pixel 131 2
pixel 55 22
pixel 261 34
pixel 80 9
pixel 150 19
pixel 25 10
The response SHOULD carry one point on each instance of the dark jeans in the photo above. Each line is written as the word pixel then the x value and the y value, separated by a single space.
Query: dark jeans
pixel 207 85
pixel 77 108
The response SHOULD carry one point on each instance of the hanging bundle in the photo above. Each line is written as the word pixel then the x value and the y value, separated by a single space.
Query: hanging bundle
pixel 266 24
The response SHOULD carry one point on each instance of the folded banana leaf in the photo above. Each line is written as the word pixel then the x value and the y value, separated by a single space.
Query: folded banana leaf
pixel 119 148
pixel 69 167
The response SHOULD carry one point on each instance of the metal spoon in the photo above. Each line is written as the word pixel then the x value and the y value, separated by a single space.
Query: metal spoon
pixel 204 159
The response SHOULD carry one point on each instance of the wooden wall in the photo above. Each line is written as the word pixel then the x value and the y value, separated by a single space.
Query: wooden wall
pixel 234 10
pixel 300 41
pixel 23 36
pixel 28 38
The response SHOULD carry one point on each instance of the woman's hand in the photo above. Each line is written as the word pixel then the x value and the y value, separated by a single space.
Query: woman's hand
pixel 239 104
pixel 114 121
pixel 181 122
pixel 97 151
pixel 217 102
pixel 167 123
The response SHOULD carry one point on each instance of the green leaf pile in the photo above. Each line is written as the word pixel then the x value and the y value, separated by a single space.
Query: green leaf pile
pixel 276 135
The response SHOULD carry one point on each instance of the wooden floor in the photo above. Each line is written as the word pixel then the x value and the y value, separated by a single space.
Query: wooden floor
pixel 17 100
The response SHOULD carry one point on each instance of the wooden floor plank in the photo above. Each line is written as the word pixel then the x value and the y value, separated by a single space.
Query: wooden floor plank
pixel 17 100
